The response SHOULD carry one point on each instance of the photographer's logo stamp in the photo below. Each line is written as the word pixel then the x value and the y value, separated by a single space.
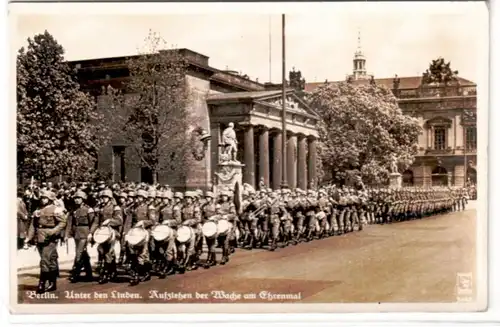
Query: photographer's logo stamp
pixel 464 287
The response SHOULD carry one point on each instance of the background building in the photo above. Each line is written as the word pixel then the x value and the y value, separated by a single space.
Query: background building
pixel 220 97
pixel 447 114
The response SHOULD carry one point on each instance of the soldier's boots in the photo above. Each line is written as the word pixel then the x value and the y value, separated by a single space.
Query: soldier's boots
pixel 225 256
pixel 145 271
pixel 103 274
pixel 112 273
pixel 120 259
pixel 87 267
pixel 75 273
pixel 134 277
pixel 208 263
pixel 52 278
pixel 41 283
pixel 273 245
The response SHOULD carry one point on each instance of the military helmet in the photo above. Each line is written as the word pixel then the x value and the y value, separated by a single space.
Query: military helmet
pixel 189 194
pixel 47 194
pixel 168 195
pixel 152 194
pixel 142 193
pixel 178 195
pixel 123 195
pixel 80 194
pixel 107 193
pixel 209 194
pixel 131 194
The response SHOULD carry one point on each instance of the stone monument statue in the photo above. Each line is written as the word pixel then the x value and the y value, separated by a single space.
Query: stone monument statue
pixel 230 142
pixel 395 179
pixel 394 164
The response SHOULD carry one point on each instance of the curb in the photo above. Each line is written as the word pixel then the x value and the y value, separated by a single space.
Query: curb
pixel 38 266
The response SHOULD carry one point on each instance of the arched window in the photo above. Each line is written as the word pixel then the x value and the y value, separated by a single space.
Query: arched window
pixel 439 176
pixel 408 178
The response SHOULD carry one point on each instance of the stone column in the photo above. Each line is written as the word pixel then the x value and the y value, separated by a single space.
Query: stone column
pixel 249 156
pixel 277 160
pixel 311 162
pixel 301 162
pixel 264 155
pixel 291 161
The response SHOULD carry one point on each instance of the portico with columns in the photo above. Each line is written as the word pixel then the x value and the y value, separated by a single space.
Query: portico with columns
pixel 257 117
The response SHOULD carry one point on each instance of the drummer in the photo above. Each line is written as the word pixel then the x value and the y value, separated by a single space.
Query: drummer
pixel 142 216
pixel 191 217
pixel 208 211
pixel 110 215
pixel 229 211
pixel 166 251
pixel 123 202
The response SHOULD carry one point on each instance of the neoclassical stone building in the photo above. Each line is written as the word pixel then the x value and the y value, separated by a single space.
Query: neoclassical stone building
pixel 447 114
pixel 220 97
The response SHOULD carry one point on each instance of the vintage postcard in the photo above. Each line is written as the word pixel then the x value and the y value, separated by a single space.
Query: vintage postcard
pixel 249 158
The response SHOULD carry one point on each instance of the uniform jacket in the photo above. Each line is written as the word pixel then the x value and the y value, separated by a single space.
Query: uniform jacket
pixel 79 222
pixel 47 224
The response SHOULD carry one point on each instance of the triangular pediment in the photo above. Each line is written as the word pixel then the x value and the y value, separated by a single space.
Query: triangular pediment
pixel 293 103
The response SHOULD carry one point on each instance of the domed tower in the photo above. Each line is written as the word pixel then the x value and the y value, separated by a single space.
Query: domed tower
pixel 359 63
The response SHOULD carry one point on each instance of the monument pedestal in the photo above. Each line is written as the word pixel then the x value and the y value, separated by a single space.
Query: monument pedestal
pixel 395 181
pixel 228 173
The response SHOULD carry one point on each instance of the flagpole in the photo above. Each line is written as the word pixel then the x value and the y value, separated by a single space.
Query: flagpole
pixel 284 183
pixel 270 51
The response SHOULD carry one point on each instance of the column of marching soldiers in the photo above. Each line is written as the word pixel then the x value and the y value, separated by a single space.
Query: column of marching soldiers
pixel 161 232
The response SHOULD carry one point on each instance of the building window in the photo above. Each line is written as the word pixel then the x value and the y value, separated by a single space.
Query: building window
pixel 439 138
pixel 470 138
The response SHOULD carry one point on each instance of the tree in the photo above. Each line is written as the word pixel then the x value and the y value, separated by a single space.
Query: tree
pixel 154 117
pixel 439 72
pixel 57 123
pixel 361 128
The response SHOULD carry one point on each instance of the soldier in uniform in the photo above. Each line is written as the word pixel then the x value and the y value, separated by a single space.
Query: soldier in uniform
pixel 286 219
pixel 143 215
pixel 46 227
pixel 312 208
pixel 109 215
pixel 263 219
pixel 166 250
pixel 191 217
pixel 78 227
pixel 249 220
pixel 323 213
pixel 298 213
pixel 334 224
pixel 208 213
pixel 229 211
pixel 276 213
pixel 125 205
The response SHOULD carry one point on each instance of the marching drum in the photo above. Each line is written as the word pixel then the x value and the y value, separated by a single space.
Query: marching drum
pixel 104 234
pixel 162 232
pixel 137 236
pixel 223 227
pixel 209 229
pixel 184 234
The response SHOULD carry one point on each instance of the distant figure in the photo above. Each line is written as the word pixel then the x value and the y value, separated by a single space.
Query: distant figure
pixel 230 142
pixel 394 164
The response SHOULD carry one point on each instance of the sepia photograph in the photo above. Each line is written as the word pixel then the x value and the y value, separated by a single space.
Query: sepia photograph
pixel 269 157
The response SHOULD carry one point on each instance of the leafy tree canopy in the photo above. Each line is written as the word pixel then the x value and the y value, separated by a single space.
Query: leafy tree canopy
pixel 361 129
pixel 152 114
pixel 56 121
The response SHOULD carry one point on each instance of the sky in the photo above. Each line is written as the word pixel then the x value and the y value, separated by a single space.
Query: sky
pixel 320 41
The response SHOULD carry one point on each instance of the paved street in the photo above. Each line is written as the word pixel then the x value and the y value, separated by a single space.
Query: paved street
pixel 414 261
